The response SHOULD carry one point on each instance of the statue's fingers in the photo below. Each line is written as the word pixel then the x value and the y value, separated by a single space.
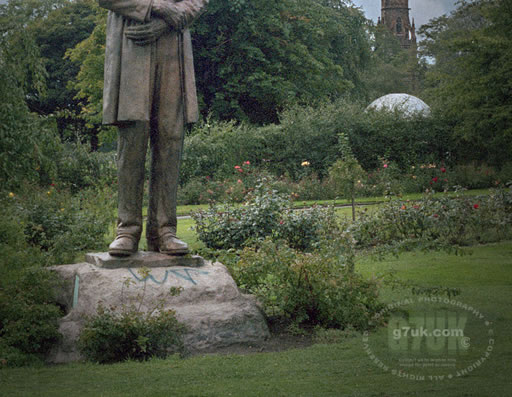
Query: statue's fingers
pixel 145 42
pixel 140 34
pixel 144 31
pixel 134 35
pixel 135 28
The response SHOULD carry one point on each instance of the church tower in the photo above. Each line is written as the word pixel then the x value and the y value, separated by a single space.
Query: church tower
pixel 395 15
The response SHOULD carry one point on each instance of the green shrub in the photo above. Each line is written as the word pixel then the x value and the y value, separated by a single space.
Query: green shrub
pixel 78 168
pixel 310 134
pixel 301 229
pixel 315 288
pixel 61 225
pixel 265 213
pixel 131 333
pixel 229 226
pixel 472 176
pixel 110 336
pixel 28 306
pixel 28 316
pixel 433 223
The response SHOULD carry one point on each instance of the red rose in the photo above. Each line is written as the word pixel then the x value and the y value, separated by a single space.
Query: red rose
pixel 443 169
pixel 475 206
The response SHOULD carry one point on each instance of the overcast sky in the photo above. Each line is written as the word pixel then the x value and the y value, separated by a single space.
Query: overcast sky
pixel 421 10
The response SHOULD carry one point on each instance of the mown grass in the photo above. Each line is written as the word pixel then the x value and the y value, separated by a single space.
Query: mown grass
pixel 484 276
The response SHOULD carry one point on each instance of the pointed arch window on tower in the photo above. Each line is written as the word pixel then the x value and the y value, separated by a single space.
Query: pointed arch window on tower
pixel 399 25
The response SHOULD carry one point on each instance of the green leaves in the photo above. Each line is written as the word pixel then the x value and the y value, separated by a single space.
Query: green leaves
pixel 255 61
pixel 315 288
pixel 470 81
pixel 265 213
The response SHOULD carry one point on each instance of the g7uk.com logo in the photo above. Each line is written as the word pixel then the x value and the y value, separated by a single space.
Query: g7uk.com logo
pixel 435 331
pixel 431 338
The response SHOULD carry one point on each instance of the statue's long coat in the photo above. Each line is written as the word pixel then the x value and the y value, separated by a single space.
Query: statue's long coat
pixel 126 91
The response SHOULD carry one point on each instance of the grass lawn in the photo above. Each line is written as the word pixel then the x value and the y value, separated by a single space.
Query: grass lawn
pixel 337 369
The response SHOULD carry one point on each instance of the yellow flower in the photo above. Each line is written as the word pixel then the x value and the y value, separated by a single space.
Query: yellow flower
pixel 305 163
pixel 11 194
pixel 62 210
pixel 48 192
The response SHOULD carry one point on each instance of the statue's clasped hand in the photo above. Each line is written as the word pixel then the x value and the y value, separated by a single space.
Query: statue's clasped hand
pixel 170 13
pixel 148 32
pixel 166 16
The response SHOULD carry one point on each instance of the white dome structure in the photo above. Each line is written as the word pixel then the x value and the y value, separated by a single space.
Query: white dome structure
pixel 407 104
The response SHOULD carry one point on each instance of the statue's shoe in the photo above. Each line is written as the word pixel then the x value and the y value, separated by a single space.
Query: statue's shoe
pixel 168 244
pixel 123 245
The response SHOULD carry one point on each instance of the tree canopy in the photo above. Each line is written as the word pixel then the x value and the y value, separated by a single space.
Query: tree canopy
pixel 63 28
pixel 255 57
pixel 25 140
pixel 471 80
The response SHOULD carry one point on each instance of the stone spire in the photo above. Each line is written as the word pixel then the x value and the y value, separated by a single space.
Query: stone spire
pixel 395 15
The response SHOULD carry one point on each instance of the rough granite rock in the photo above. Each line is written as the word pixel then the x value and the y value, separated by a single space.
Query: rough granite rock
pixel 216 313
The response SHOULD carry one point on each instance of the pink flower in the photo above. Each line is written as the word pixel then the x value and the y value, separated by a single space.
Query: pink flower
pixel 436 216
pixel 281 222
pixel 385 166
pixel 247 163
pixel 239 181
pixel 240 170
pixel 237 167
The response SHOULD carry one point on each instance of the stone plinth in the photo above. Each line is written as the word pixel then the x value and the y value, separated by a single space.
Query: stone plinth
pixel 142 259
pixel 215 312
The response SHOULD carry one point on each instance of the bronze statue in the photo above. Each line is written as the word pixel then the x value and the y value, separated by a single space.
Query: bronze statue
pixel 149 93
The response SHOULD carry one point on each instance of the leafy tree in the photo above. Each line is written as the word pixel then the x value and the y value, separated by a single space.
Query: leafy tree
pixel 27 143
pixel 346 173
pixel 471 80
pixel 63 28
pixel 255 57
pixel 89 56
